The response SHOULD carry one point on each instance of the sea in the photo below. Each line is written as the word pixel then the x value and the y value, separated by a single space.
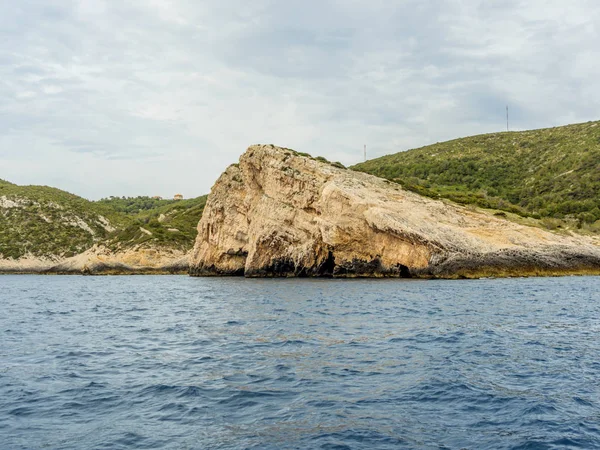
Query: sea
pixel 151 362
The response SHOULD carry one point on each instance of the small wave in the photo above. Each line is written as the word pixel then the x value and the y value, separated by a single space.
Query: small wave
pixel 73 354
pixel 22 411
pixel 128 440
pixel 365 438
pixel 583 402
pixel 244 398
pixel 234 322
pixel 401 339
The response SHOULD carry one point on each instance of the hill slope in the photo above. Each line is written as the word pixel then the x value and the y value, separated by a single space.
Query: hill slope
pixel 41 221
pixel 165 223
pixel 552 172
pixel 47 223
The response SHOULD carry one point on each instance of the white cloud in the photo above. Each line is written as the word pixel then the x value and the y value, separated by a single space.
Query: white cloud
pixel 156 97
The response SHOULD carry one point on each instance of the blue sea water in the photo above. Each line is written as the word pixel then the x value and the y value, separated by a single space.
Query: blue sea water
pixel 228 363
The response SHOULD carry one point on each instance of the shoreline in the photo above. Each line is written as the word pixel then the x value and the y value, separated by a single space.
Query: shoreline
pixel 133 272
pixel 463 275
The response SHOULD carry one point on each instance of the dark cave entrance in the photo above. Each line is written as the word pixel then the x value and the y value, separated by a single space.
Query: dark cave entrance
pixel 404 271
pixel 327 266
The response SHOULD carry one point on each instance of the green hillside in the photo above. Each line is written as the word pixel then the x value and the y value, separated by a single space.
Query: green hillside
pixel 170 223
pixel 45 221
pixel 134 205
pixel 548 173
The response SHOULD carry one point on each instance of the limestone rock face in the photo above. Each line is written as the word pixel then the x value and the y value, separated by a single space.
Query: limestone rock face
pixel 101 260
pixel 278 213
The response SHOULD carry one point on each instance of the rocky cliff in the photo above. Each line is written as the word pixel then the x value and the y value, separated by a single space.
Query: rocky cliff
pixel 279 213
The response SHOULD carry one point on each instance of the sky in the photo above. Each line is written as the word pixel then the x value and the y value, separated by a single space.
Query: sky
pixel 157 97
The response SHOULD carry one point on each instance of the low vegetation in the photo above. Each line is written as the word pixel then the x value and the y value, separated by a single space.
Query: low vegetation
pixel 41 221
pixel 134 205
pixel 44 221
pixel 553 174
pixel 337 164
pixel 169 224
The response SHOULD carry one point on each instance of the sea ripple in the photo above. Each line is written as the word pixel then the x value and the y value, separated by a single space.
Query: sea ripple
pixel 225 363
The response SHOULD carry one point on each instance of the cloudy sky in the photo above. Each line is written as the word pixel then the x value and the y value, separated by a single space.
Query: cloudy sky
pixel 154 97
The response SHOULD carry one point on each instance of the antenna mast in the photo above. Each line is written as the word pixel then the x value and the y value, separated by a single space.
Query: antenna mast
pixel 506 117
pixel 365 151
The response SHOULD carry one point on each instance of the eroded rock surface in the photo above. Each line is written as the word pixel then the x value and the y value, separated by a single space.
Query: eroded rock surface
pixel 278 213
pixel 101 260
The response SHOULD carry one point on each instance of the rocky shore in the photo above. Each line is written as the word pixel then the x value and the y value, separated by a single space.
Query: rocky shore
pixel 99 260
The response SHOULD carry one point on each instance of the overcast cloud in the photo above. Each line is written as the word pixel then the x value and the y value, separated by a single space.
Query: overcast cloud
pixel 154 97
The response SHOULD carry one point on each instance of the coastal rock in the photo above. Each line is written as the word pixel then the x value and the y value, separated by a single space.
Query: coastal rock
pixel 102 260
pixel 281 213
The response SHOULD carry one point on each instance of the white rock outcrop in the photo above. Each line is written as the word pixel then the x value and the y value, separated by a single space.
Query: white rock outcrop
pixel 101 260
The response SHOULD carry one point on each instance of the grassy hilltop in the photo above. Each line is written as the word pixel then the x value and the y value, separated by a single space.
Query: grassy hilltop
pixel 550 173
pixel 42 221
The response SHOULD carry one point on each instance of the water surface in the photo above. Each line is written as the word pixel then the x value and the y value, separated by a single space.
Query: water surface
pixel 226 363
